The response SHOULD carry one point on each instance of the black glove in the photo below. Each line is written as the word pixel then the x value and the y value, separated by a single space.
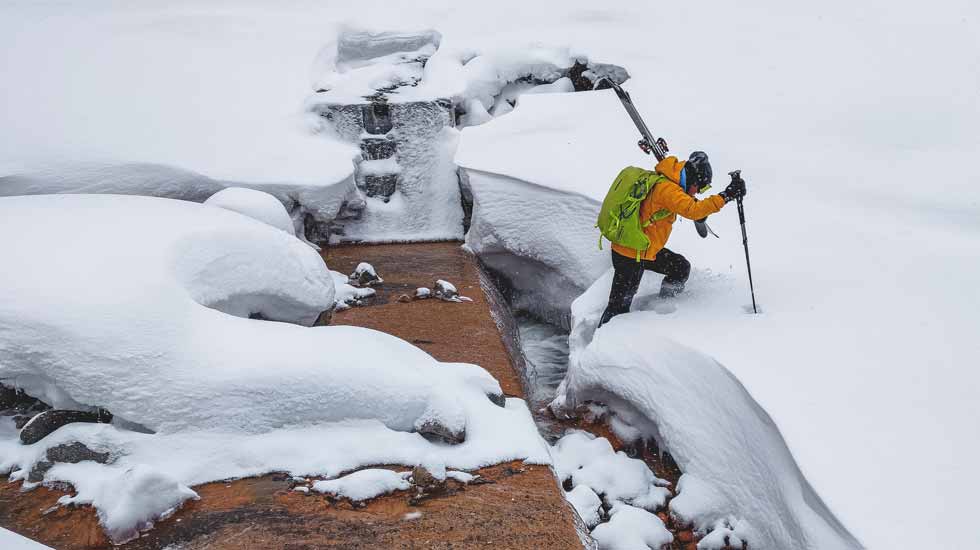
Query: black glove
pixel 735 189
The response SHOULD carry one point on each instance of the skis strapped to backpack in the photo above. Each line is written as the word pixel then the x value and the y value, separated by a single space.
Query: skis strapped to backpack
pixel 648 144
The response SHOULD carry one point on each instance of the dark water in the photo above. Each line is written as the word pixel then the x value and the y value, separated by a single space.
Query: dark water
pixel 545 348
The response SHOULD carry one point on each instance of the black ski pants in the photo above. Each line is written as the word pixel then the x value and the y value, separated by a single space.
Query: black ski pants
pixel 629 272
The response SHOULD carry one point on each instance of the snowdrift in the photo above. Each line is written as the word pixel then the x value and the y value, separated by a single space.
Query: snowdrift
pixel 739 477
pixel 156 329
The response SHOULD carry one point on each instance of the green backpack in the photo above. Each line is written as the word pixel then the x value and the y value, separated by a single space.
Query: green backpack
pixel 619 218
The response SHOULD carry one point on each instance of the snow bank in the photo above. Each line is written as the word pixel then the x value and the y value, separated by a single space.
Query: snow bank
pixel 734 459
pixel 142 328
pixel 12 541
pixel 533 214
pixel 254 204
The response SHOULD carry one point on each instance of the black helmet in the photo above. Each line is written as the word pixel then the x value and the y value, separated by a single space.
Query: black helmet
pixel 697 171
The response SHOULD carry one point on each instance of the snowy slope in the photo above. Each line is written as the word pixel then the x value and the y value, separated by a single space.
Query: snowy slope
pixel 864 244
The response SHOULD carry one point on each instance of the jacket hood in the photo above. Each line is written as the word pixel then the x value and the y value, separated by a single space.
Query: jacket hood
pixel 671 167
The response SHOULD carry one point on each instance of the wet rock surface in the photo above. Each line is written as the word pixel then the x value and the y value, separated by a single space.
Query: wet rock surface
pixel 50 420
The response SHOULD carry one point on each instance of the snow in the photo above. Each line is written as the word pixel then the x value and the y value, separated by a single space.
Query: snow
pixel 590 461
pixel 586 504
pixel 862 233
pixel 631 528
pixel 365 484
pixel 367 270
pixel 155 329
pixel 128 500
pixel 462 477
pixel 12 541
pixel 346 294
pixel 254 204
pixel 156 100
pixel 734 459
pixel 855 140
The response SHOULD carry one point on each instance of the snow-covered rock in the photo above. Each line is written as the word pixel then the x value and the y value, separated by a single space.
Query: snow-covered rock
pixel 365 275
pixel 348 295
pixel 254 204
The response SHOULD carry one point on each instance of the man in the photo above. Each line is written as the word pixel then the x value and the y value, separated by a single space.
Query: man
pixel 666 201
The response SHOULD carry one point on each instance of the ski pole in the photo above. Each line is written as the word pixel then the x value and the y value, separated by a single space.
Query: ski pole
pixel 737 175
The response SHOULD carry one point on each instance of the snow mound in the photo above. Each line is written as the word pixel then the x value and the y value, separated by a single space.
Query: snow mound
pixel 591 462
pixel 715 431
pixel 631 528
pixel 254 204
pixel 586 504
pixel 365 484
pixel 156 329
pixel 128 501
pixel 163 353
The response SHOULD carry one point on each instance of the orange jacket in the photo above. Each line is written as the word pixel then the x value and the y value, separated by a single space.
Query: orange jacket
pixel 669 196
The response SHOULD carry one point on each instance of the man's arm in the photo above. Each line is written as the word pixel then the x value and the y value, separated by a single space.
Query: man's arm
pixel 682 204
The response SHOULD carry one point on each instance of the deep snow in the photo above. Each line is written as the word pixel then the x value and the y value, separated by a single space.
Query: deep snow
pixel 254 204
pixel 854 125
pixel 13 541
pixel 156 329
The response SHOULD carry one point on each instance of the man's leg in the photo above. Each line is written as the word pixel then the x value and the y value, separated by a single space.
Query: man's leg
pixel 626 281
pixel 675 268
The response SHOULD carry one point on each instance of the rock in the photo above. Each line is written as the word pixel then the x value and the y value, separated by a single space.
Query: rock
pixel 444 290
pixel 21 420
pixel 324 318
pixel 40 468
pixel 48 421
pixel 68 453
pixel 435 431
pixel 422 293
pixel 14 401
pixel 365 275
pixel 497 399
pixel 426 482
pixel 73 453
pixel 404 298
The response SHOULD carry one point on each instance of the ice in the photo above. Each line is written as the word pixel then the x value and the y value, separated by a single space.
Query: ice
pixel 254 204
pixel 12 541
pixel 631 528
pixel 364 484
